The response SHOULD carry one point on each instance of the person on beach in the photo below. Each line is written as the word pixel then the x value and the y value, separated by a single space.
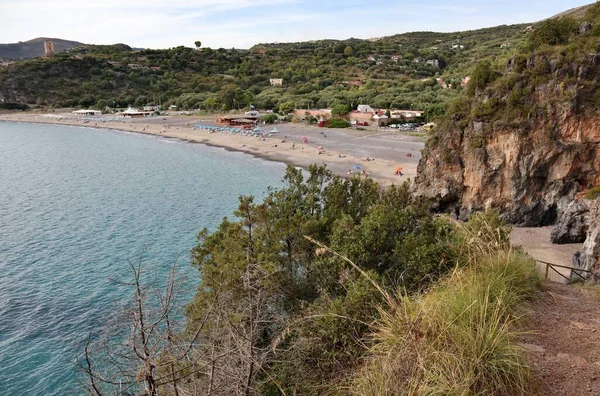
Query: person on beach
pixel 294 146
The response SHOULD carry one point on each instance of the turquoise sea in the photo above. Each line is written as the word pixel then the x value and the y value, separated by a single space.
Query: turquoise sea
pixel 75 205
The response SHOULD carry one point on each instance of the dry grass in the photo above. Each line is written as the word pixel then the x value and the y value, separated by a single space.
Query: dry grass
pixel 458 338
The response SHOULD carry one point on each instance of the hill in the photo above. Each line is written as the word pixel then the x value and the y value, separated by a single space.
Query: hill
pixel 397 71
pixel 34 48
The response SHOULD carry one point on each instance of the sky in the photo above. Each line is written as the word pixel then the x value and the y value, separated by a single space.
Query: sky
pixel 244 23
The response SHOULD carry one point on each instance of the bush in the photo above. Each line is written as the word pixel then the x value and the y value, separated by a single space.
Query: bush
pixel 337 123
pixel 269 118
pixel 553 32
pixel 593 193
pixel 482 75
pixel 13 106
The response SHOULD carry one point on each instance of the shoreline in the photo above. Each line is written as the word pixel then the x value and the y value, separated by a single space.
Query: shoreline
pixel 340 146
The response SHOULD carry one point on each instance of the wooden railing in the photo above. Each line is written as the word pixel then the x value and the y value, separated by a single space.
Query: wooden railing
pixel 574 271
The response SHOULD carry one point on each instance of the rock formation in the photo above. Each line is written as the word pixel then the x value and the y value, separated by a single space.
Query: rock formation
pixel 529 169
pixel 589 257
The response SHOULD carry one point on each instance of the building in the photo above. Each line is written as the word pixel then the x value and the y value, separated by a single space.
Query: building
pixel 365 109
pixel 380 118
pixel 371 58
pixel 132 112
pixel 407 114
pixel 396 58
pixel 465 82
pixel 433 62
pixel 87 112
pixel 236 121
pixel 152 108
pixel 276 82
pixel 48 48
pixel 504 45
pixel 458 46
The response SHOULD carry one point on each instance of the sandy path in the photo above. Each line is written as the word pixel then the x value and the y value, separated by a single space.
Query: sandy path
pixel 389 149
pixel 536 242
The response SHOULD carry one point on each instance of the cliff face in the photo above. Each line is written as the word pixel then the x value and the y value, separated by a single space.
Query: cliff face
pixel 528 169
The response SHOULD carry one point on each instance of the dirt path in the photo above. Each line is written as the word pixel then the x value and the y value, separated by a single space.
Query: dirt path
pixel 565 349
pixel 536 242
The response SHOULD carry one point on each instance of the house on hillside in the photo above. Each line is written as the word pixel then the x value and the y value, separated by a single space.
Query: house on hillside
pixel 504 45
pixel 396 58
pixel 276 82
pixel 458 46
pixel 441 83
pixel 465 81
pixel 371 58
pixel 151 108
pixel 433 62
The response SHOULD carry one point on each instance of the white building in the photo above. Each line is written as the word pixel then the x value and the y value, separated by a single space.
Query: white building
pixel 276 81
pixel 365 109
pixel 87 112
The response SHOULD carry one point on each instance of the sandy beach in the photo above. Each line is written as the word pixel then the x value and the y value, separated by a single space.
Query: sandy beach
pixel 343 149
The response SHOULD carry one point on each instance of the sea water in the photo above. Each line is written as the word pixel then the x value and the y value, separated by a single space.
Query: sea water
pixel 75 205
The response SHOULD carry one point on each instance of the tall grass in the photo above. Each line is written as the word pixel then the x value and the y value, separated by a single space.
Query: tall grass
pixel 459 337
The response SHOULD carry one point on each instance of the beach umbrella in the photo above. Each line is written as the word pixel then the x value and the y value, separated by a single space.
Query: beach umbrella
pixel 356 167
pixel 399 168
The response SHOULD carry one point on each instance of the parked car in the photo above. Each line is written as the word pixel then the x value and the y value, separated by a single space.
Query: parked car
pixel 362 123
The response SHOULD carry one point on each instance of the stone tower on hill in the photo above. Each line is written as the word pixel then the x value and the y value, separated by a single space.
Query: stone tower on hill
pixel 48 48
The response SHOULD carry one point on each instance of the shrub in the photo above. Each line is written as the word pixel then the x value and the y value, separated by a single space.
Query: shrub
pixel 593 193
pixel 13 106
pixel 553 32
pixel 337 123
pixel 482 75
pixel 269 118
pixel 485 110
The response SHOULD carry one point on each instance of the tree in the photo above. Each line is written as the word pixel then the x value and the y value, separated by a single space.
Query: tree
pixel 340 110
pixel 198 44
pixel 482 75
pixel 287 107
pixel 348 51
pixel 140 351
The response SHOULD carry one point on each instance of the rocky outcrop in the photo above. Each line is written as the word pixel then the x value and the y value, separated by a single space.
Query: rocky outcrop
pixel 529 169
pixel 573 224
pixel 589 257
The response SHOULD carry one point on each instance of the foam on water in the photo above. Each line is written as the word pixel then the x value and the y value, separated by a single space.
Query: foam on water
pixel 75 205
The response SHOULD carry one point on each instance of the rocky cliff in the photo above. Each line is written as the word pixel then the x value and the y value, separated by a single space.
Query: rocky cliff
pixel 528 164
pixel 580 222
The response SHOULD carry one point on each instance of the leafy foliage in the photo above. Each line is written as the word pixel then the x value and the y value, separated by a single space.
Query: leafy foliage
pixel 315 308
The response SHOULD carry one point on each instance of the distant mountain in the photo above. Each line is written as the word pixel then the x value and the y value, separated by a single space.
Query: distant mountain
pixel 33 48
